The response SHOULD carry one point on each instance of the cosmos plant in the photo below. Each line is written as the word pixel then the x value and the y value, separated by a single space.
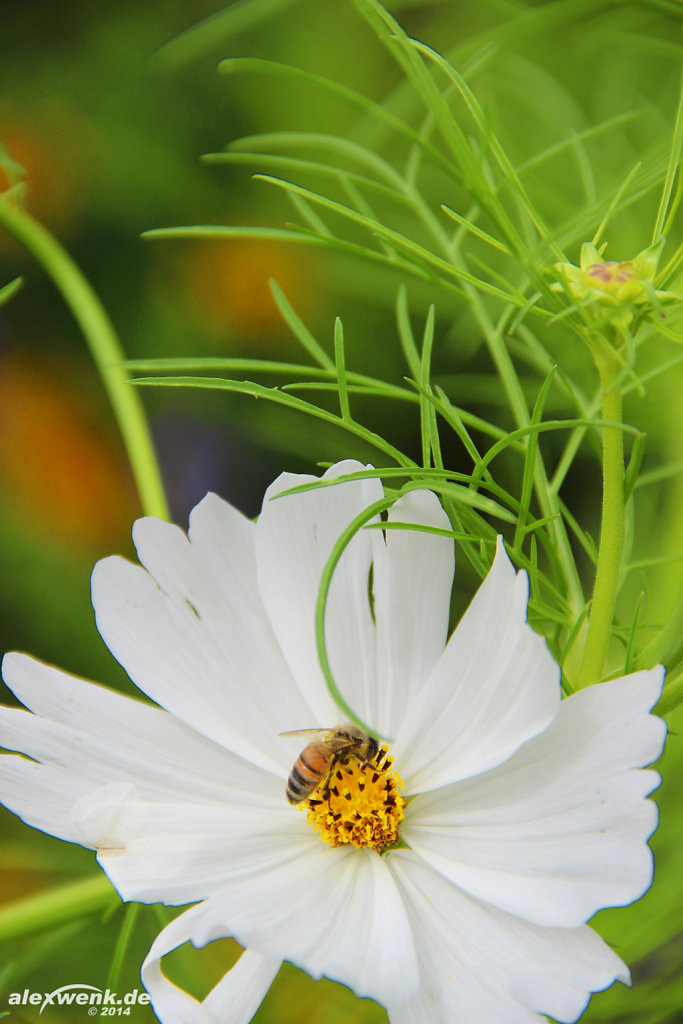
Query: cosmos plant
pixel 489 793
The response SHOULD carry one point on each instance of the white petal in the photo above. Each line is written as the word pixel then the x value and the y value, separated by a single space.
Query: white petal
pixel 560 830
pixel 238 995
pixel 194 635
pixel 234 1000
pixel 172 852
pixel 144 790
pixel 295 536
pixel 333 912
pixel 109 737
pixel 495 686
pixel 177 852
pixel 412 578
pixel 478 964
pixel 43 796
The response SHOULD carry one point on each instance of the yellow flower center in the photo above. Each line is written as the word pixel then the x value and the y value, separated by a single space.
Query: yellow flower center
pixel 359 803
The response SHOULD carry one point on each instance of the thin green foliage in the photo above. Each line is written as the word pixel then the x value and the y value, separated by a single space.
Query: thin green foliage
pixel 503 219
pixel 510 176
pixel 279 397
pixel 655 476
pixel 400 251
pixel 671 172
pixel 405 333
pixel 250 65
pixel 341 150
pixel 238 17
pixel 340 362
pixel 8 291
pixel 424 257
pixel 314 167
pixel 571 639
pixel 437 481
pixel 631 639
pixel 633 467
pixel 530 463
pixel 429 432
pixel 309 215
pixel 475 230
pixel 334 243
pixel 584 538
pixel 537 428
pixel 298 328
pixel 615 203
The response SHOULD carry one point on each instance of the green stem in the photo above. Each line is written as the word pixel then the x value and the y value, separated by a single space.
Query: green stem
pixel 130 917
pixel 104 347
pixel 56 906
pixel 611 534
pixel 671 697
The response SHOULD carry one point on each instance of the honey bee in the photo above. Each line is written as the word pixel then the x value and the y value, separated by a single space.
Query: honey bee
pixel 315 763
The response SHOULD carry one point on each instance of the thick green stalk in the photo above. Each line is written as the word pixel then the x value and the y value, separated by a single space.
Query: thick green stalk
pixel 56 906
pixel 104 347
pixel 611 535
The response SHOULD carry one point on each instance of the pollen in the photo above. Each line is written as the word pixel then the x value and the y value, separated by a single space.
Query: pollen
pixel 359 804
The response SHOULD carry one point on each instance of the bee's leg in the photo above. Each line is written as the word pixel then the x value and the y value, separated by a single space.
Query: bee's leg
pixel 380 760
pixel 325 795
pixel 369 762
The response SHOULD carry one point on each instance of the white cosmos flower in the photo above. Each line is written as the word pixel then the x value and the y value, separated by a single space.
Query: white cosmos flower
pixel 526 814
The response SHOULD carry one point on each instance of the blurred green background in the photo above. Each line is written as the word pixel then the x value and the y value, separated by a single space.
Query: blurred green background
pixel 109 116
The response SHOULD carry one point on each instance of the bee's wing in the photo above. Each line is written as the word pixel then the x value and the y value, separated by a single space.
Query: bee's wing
pixel 323 733
pixel 336 743
pixel 328 738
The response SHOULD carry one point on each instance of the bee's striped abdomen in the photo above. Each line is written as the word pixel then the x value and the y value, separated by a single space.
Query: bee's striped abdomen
pixel 309 770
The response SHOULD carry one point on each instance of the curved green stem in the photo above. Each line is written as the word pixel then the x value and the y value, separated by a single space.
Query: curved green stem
pixel 325 582
pixel 611 534
pixel 104 347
